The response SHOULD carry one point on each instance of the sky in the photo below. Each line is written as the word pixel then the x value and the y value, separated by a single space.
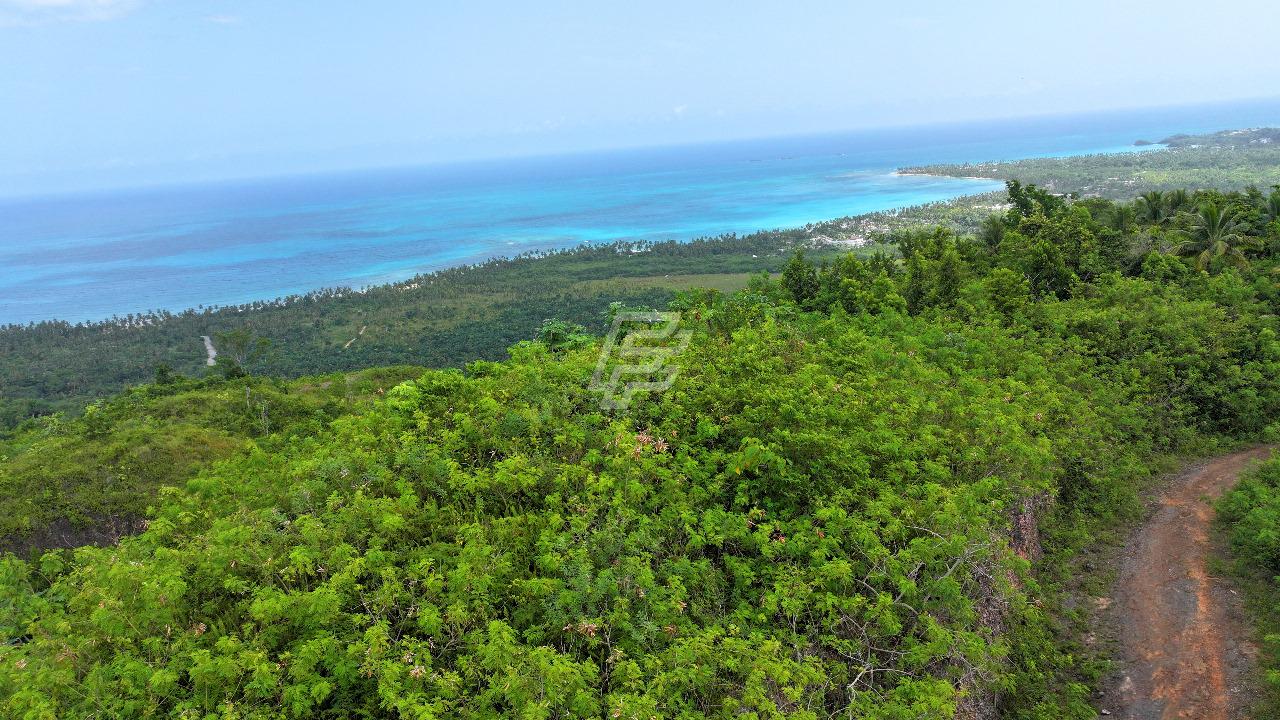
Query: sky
pixel 97 94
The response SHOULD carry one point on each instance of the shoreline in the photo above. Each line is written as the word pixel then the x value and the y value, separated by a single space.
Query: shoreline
pixel 909 173
pixel 413 282
pixel 849 230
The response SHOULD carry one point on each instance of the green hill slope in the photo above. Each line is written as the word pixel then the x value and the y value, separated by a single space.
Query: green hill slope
pixel 65 483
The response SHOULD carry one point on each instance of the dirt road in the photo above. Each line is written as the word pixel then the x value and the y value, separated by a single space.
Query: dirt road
pixel 210 351
pixel 1184 646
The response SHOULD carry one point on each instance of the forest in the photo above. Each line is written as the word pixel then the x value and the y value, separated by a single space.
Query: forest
pixel 865 495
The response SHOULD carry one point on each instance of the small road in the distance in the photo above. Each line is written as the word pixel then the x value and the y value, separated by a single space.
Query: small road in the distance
pixel 210 351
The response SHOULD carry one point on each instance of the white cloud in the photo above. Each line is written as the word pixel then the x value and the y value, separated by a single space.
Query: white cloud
pixel 39 12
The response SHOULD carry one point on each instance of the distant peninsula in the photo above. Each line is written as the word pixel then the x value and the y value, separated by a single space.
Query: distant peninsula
pixel 1225 138
pixel 1227 160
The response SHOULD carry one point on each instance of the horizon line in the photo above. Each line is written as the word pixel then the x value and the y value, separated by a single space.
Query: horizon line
pixel 480 160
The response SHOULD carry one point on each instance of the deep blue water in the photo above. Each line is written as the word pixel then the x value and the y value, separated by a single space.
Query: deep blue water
pixel 89 257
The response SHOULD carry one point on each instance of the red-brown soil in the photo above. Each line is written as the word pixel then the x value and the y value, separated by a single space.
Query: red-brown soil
pixel 1185 650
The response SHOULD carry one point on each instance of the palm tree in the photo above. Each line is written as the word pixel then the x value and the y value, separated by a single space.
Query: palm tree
pixel 1122 217
pixel 992 231
pixel 1151 208
pixel 1214 234
pixel 1176 200
pixel 1272 206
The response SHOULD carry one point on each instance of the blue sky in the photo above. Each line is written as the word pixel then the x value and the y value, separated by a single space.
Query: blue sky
pixel 102 93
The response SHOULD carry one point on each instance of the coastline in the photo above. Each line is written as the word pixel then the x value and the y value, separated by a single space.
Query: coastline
pixel 911 173
pixel 236 244
pixel 846 231
pixel 849 230
pixel 458 314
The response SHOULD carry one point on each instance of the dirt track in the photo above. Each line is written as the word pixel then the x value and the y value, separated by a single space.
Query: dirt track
pixel 1184 648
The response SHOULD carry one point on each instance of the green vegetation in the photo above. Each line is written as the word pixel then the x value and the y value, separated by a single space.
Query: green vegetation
pixel 444 319
pixel 1226 138
pixel 860 498
pixel 65 483
pixel 1250 515
pixel 451 317
pixel 1231 160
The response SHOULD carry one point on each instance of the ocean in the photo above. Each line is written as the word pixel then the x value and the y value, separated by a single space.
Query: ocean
pixel 94 256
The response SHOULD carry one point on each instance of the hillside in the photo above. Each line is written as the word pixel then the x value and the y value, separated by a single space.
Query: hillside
pixel 862 496
pixel 70 482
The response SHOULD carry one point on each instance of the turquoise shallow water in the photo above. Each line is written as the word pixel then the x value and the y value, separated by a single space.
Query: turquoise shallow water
pixel 90 257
